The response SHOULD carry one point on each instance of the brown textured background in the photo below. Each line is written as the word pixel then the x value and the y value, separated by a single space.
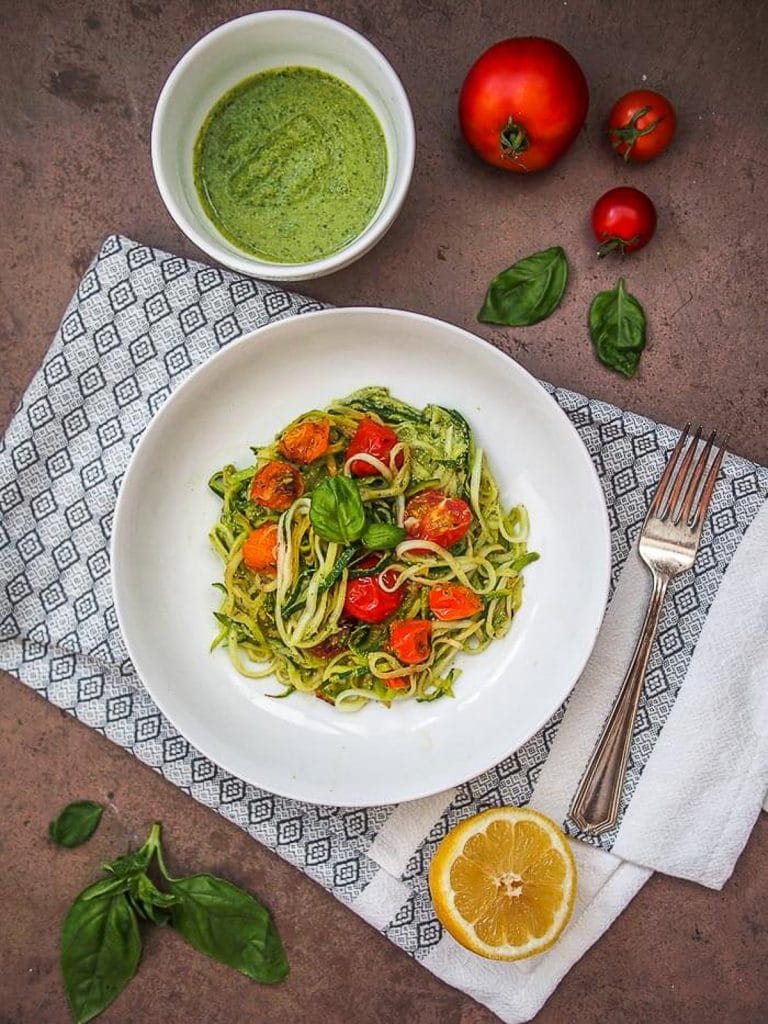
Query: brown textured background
pixel 79 81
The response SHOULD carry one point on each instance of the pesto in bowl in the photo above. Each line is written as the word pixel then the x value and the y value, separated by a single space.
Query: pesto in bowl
pixel 290 165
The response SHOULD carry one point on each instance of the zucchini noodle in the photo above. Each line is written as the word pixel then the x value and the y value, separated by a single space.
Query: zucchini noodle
pixel 288 620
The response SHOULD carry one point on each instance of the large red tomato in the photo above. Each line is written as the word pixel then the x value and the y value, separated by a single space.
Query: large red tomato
pixel 523 103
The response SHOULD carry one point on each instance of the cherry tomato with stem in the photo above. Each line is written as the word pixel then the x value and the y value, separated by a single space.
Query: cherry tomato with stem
pixel 276 486
pixel 372 438
pixel 623 220
pixel 523 103
pixel 411 640
pixel 641 125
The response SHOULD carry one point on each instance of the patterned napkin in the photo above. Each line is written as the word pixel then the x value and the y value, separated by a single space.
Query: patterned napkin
pixel 140 322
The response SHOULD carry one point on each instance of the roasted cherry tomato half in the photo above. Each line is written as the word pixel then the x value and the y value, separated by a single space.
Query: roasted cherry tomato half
pixel 641 125
pixel 432 515
pixel 411 640
pixel 277 485
pixel 624 220
pixel 334 644
pixel 448 601
pixel 523 103
pixel 371 438
pixel 366 600
pixel 260 548
pixel 306 441
pixel 398 683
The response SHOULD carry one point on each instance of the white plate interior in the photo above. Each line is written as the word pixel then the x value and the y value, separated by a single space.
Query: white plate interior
pixel 163 566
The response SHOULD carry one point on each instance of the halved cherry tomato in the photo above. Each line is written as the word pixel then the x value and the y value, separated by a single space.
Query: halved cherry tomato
pixel 277 485
pixel 398 683
pixel 306 441
pixel 523 103
pixel 372 438
pixel 448 601
pixel 641 125
pixel 260 549
pixel 366 600
pixel 411 640
pixel 624 219
pixel 432 515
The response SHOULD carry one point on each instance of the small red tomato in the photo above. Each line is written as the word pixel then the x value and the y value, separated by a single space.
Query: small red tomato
pixel 448 601
pixel 523 103
pixel 398 683
pixel 371 438
pixel 260 549
pixel 277 485
pixel 641 125
pixel 432 515
pixel 411 640
pixel 366 599
pixel 624 219
pixel 306 441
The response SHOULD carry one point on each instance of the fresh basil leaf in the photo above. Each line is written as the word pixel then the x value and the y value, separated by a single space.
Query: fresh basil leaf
pixel 617 327
pixel 528 291
pixel 100 951
pixel 76 823
pixel 337 512
pixel 107 887
pixel 229 925
pixel 382 536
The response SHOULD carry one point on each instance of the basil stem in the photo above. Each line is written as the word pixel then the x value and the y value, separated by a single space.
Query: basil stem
pixel 527 292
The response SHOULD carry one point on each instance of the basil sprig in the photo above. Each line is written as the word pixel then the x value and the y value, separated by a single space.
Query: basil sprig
pixel 76 823
pixel 617 328
pixel 101 940
pixel 527 292
pixel 337 513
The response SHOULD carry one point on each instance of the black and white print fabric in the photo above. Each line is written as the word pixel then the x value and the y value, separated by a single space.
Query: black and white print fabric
pixel 140 322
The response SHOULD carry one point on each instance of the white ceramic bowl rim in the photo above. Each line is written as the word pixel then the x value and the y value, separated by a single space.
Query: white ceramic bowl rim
pixel 378 226
pixel 563 606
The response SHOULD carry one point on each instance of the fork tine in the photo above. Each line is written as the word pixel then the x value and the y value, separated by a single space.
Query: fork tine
pixel 680 476
pixel 693 485
pixel 668 471
pixel 709 485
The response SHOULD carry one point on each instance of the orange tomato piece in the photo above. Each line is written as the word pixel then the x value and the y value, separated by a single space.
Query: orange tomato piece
pixel 260 549
pixel 306 441
pixel 277 485
pixel 448 601
pixel 411 640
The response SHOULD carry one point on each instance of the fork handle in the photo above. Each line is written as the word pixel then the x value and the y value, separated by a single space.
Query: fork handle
pixel 595 807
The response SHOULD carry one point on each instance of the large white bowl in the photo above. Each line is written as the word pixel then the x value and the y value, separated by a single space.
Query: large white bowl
pixel 244 47
pixel 163 565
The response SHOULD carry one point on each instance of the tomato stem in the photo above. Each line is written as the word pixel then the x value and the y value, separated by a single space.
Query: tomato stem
pixel 513 139
pixel 616 244
pixel 630 133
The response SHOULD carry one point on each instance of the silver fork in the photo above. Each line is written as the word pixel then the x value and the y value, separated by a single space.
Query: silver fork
pixel 669 541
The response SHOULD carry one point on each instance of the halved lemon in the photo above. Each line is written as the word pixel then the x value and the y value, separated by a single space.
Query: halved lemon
pixel 503 883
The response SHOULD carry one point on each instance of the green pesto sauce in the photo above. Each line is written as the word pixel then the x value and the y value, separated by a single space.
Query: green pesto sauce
pixel 290 165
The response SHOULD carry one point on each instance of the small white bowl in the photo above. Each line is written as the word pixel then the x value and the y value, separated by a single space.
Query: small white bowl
pixel 244 47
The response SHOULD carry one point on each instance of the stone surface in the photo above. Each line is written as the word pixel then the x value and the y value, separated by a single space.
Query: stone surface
pixel 78 82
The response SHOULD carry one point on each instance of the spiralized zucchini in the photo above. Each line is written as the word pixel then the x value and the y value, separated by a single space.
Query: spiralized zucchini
pixel 289 623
